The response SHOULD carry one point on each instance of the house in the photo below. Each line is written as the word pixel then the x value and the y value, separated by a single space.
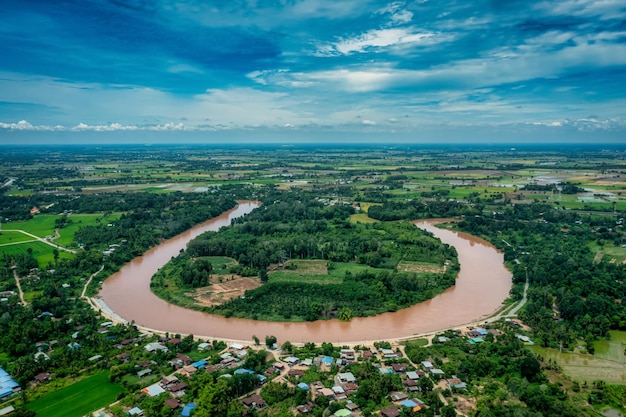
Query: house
pixel 413 403
pixel 427 365
pixel 42 377
pixel 412 375
pixel 155 347
pixel 144 372
pixel 456 383
pixel 388 353
pixel 340 393
pixel 297 373
pixel 398 396
pixel 254 402
pixel 304 409
pixel 391 411
pixel 399 368
pixel 135 411
pixel 178 389
pixel 352 407
pixel 184 359
pixel 168 381
pixel 326 392
pixel 237 346
pixel 153 390
pixel 438 373
pixel 346 377
pixel 303 386
pixel 188 370
pixel 200 364
pixel 291 360
pixel 172 403
pixel 347 354
pixel 7 410
pixel 204 346
pixel 476 340
pixel 124 357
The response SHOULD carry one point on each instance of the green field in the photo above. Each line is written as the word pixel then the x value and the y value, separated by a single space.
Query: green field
pixel 613 349
pixel 41 225
pixel 41 251
pixel 78 399
pixel 220 264
pixel 66 234
pixel 8 238
pixel 584 367
pixel 316 271
pixel 361 218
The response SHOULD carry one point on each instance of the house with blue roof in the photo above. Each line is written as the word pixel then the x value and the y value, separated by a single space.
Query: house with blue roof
pixel 7 384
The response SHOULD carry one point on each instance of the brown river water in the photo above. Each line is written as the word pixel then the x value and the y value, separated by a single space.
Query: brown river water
pixel 483 283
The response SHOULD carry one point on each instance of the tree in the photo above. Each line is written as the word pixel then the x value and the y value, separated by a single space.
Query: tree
pixel 287 347
pixel 263 275
pixel 214 399
pixel 256 340
pixel 530 368
pixel 270 341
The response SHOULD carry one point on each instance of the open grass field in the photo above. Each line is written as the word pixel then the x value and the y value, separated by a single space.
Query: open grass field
pixel 613 349
pixel 608 252
pixel 316 271
pixel 361 218
pixel 41 225
pixel 78 399
pixel 9 238
pixel 584 367
pixel 42 252
pixel 220 264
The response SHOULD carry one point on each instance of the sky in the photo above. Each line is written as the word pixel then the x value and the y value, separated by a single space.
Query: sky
pixel 422 71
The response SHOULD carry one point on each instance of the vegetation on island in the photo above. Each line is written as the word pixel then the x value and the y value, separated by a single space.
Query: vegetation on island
pixel 299 225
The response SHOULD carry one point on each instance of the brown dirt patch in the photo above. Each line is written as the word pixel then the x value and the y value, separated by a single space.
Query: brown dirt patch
pixel 411 267
pixel 232 286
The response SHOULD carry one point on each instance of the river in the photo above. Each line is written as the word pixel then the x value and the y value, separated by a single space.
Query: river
pixel 483 283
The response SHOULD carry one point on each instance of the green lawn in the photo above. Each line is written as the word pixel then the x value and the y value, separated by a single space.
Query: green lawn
pixel 78 399
pixel 585 367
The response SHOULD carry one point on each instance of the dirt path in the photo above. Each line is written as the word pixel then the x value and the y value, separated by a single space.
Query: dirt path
pixel 19 288
pixel 82 294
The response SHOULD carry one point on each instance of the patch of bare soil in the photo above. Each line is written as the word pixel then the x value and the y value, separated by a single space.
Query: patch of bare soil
pixel 406 267
pixel 219 292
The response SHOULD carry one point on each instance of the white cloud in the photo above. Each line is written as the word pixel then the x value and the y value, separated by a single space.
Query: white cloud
pixel 368 122
pixel 375 40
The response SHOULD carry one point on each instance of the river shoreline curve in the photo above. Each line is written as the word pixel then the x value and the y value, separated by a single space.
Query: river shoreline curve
pixel 482 285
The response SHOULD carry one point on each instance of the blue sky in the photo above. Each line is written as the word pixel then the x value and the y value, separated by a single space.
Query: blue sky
pixel 313 70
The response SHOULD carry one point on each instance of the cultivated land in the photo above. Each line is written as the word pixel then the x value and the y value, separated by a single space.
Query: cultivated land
pixel 78 399
pixel 487 180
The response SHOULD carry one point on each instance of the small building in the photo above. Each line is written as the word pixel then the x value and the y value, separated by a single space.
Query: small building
pixel 172 403
pixel 155 347
pixel 346 377
pixel 399 368
pixel 42 377
pixel 204 346
pixel 391 411
pixel 398 396
pixel 135 411
pixel 153 390
pixel 254 402
pixel 412 375
pixel 303 386
pixel 187 410
pixel 427 365
pixel 178 389
pixel 291 360
pixel 144 372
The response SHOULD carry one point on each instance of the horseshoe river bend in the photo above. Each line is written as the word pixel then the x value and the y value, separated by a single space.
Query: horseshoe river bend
pixel 481 286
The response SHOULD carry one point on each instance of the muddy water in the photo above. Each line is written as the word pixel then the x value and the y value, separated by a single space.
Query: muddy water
pixel 481 286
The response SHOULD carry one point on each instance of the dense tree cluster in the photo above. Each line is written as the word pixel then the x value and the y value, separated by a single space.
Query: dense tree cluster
pixel 571 296
pixel 411 210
